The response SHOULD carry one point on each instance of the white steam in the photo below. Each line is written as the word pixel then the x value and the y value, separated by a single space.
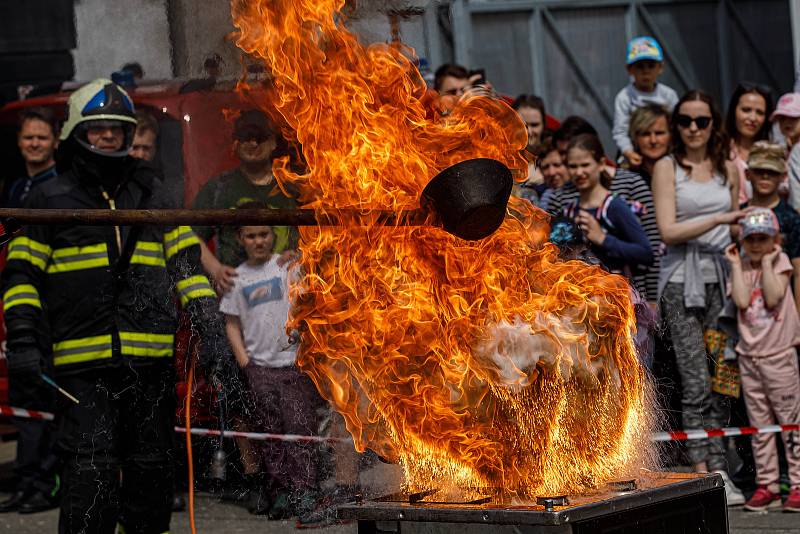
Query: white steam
pixel 513 350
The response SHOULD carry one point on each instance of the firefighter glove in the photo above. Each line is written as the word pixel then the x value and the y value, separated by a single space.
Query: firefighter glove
pixel 25 359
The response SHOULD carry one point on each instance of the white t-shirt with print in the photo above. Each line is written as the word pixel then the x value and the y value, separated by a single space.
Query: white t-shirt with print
pixel 260 299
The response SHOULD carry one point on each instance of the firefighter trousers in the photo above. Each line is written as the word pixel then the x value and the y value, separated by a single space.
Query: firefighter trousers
pixel 117 448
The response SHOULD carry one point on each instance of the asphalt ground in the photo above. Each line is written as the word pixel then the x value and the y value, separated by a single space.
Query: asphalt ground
pixel 214 517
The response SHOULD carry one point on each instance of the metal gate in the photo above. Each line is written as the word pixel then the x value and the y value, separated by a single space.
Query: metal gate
pixel 572 52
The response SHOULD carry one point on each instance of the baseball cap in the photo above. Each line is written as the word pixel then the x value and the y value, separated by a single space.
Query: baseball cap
pixel 788 106
pixel 759 221
pixel 767 156
pixel 644 47
pixel 251 124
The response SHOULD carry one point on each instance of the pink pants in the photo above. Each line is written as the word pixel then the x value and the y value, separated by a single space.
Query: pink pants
pixel 771 387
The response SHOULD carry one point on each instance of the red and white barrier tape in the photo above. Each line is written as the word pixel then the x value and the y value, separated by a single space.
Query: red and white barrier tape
pixel 675 435
pixel 260 436
pixel 682 435
pixel 27 414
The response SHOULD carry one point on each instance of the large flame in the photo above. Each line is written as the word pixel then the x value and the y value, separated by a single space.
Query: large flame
pixel 474 364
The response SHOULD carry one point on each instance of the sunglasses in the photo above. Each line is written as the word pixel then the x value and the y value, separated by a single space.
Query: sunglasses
pixel 685 121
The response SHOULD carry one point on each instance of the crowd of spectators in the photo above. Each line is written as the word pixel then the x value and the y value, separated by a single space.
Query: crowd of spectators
pixel 696 209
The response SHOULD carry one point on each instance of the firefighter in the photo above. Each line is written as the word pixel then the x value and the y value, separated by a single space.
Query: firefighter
pixel 108 294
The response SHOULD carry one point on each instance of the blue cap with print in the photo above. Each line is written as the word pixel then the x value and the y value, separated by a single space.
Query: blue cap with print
pixel 644 47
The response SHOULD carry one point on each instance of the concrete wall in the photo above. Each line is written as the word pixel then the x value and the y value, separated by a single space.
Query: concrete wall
pixel 200 29
pixel 198 33
pixel 110 34
pixel 172 38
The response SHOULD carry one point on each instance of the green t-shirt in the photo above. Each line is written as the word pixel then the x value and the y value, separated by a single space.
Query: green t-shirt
pixel 231 190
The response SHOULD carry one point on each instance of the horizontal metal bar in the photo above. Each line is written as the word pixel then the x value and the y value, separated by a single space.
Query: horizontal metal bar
pixel 253 217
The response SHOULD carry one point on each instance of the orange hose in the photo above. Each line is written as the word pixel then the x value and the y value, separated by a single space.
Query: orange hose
pixel 187 408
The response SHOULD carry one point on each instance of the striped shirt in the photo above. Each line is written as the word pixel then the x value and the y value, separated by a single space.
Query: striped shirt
pixel 633 189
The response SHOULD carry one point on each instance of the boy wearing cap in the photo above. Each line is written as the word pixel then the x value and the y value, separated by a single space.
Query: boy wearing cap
pixel 645 63
pixel 769 330
pixel 766 171
pixel 787 114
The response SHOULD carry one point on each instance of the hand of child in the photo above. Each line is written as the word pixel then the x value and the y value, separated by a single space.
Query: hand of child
pixel 732 255
pixel 769 258
pixel 633 157
pixel 242 360
pixel 591 228
pixel 288 256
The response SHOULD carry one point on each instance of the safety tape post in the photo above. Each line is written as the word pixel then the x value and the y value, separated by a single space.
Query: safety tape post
pixel 674 435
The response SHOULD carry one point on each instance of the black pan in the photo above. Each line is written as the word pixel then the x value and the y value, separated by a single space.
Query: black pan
pixel 469 198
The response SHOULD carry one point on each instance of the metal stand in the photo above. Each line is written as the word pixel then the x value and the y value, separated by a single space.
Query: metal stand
pixel 661 503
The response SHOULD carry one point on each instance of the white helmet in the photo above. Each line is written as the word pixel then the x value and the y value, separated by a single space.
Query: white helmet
pixel 100 101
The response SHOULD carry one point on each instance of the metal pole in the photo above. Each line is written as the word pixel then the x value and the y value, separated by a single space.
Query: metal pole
pixel 253 217
pixel 794 14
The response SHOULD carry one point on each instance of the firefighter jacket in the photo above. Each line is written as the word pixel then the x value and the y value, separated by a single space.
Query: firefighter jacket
pixel 108 292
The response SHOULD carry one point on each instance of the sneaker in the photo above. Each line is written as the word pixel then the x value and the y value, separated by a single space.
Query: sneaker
pixel 39 502
pixel 732 493
pixel 260 503
pixel 792 504
pixel 763 499
pixel 280 507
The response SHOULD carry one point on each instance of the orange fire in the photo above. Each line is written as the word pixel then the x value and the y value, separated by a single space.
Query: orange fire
pixel 473 364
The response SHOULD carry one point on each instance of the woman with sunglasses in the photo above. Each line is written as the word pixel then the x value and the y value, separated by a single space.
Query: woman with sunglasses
pixel 696 194
pixel 746 123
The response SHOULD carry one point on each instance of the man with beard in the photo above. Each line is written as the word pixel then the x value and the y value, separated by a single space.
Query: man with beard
pixel 106 294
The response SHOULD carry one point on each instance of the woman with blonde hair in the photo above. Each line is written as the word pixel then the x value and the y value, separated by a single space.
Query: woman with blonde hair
pixel 650 134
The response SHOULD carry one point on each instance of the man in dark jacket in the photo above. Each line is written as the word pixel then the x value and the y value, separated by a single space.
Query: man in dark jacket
pixel 36 465
pixel 108 295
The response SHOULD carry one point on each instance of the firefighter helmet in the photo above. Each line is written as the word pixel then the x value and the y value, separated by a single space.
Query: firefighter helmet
pixel 99 101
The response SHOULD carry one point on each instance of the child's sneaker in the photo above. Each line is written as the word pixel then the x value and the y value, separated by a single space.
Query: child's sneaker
pixel 764 499
pixel 792 504
pixel 733 495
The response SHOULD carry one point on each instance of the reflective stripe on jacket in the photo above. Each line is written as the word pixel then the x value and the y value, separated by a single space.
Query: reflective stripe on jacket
pixel 103 303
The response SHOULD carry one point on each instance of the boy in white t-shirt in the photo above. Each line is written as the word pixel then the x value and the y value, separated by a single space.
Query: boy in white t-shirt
pixel 256 310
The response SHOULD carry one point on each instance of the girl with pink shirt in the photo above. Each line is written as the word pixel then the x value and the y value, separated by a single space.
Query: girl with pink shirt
pixel 769 330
